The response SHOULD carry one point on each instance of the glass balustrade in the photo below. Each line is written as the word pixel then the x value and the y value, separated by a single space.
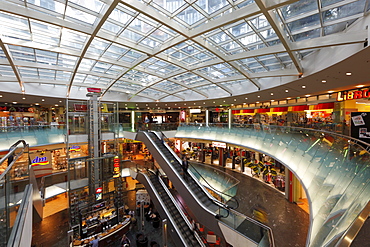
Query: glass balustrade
pixel 334 169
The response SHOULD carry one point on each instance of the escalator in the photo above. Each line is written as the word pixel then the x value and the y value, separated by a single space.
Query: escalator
pixel 180 227
pixel 234 227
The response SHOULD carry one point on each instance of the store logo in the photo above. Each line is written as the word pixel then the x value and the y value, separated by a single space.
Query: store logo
pixel 40 161
pixel 357 94
pixel 75 148
pixel 116 167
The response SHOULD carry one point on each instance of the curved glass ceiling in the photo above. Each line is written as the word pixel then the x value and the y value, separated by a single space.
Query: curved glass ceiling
pixel 164 50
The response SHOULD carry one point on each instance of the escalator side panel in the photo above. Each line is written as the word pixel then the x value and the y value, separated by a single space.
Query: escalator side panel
pixel 203 215
pixel 171 229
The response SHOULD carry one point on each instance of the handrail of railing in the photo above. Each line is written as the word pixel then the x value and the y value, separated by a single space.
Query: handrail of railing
pixel 10 156
pixel 16 235
pixel 252 126
pixel 212 188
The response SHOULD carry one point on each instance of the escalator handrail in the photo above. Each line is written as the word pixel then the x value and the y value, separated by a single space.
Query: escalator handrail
pixel 10 154
pixel 212 188
pixel 225 206
pixel 178 208
pixel 209 196
pixel 165 207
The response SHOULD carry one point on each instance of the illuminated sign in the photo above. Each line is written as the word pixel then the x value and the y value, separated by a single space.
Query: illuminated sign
pixel 94 90
pixel 219 144
pixel 195 111
pixel 356 94
pixel 98 190
pixel 75 148
pixel 40 161
pixel 116 162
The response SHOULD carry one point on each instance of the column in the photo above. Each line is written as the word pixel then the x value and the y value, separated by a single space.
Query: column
pixel 221 160
pixel 230 118
pixel 207 117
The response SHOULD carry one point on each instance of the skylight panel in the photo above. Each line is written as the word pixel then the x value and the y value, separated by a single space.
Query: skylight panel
pixel 190 15
pixel 306 22
pixel 80 15
pixel 91 79
pixel 25 72
pixel 350 9
pixel 298 8
pixel 211 6
pixel 73 39
pixel 86 64
pixel 98 46
pixel 63 75
pixel 66 60
pixel 134 36
pixel 47 74
pixel 46 57
pixel 51 5
pixel 93 5
pixel 79 78
pixel 170 6
pixel 240 29
pixel 307 35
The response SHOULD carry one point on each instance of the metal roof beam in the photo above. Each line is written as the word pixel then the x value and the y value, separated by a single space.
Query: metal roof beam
pixel 105 16
pixel 12 65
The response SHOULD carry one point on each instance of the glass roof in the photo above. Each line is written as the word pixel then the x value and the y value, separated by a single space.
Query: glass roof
pixel 165 50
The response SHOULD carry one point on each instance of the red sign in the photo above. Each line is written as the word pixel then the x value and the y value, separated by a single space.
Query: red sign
pixel 94 90
pixel 99 190
pixel 80 107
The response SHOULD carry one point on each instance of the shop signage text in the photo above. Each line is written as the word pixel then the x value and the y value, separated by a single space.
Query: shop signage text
pixel 219 144
pixel 40 161
pixel 116 167
pixel 357 94
pixel 75 148
pixel 94 90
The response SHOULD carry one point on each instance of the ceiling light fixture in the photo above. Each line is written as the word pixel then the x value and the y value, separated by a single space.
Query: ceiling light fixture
pixel 234 99
pixel 14 102
pixel 272 94
pixel 286 90
pixel 348 73
pixel 288 98
pixel 257 102
pixel 56 105
pixel 330 91
pixel 303 86
pixel 43 100
pixel 258 96
pixel 323 81
pixel 246 98
pixel 360 86
pixel 23 98
pixel 307 95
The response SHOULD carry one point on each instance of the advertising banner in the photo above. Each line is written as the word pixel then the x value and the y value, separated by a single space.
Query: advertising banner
pixel 41 163
pixel 360 126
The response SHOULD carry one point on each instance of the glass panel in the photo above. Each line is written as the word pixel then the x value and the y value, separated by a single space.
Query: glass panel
pixel 354 8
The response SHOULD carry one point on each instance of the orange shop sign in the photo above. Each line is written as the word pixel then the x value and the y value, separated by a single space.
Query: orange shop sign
pixel 354 94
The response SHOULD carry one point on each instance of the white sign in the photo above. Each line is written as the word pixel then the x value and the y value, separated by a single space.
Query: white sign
pixel 195 111
pixel 157 111
pixel 219 144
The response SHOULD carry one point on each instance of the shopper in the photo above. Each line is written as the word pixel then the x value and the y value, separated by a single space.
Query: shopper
pixel 125 241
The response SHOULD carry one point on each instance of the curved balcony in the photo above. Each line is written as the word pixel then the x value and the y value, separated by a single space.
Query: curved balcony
pixel 333 169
